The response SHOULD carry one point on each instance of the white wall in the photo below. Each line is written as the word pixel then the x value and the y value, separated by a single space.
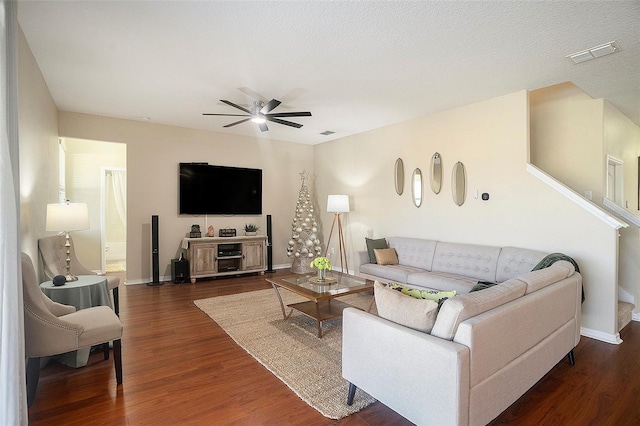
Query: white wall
pixel 491 138
pixel 153 154
pixel 571 136
pixel 38 134
pixel 566 137
pixel 621 139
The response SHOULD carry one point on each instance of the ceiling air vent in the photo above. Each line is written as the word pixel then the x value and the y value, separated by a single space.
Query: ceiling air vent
pixel 327 133
pixel 594 52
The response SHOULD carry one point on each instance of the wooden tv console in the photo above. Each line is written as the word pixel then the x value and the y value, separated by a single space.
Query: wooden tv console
pixel 218 256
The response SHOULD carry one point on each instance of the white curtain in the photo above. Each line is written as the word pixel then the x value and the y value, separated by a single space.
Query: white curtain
pixel 13 406
pixel 119 186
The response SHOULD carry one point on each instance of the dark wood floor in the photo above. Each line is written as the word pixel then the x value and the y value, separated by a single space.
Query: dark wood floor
pixel 180 368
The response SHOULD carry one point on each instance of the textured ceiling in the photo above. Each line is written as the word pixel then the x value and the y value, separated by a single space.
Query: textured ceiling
pixel 355 65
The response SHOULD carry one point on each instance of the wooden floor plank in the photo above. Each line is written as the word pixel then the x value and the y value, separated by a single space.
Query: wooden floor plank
pixel 180 367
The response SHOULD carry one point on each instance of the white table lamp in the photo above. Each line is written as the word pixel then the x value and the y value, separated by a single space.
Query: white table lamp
pixel 65 218
pixel 338 204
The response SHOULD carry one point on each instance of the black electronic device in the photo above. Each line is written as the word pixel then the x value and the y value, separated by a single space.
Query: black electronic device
pixel 229 253
pixel 219 190
pixel 179 270
pixel 269 245
pixel 155 251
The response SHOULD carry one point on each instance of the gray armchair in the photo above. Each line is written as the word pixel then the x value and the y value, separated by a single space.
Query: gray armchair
pixel 51 328
pixel 54 259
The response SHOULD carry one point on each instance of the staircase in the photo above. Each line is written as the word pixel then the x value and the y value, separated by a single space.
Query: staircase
pixel 625 311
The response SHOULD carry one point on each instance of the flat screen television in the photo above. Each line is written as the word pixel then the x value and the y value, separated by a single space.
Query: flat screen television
pixel 219 190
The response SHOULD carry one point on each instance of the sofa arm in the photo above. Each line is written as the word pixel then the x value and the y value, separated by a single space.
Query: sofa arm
pixel 422 377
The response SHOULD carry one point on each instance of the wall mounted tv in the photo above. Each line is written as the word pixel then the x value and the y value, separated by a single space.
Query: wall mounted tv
pixel 219 190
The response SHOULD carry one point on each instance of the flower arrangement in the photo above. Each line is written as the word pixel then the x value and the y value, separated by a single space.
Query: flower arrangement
pixel 321 263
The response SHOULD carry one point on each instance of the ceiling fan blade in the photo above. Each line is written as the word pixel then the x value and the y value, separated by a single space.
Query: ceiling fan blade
pixel 290 114
pixel 252 94
pixel 225 115
pixel 286 123
pixel 236 106
pixel 263 127
pixel 269 106
pixel 237 122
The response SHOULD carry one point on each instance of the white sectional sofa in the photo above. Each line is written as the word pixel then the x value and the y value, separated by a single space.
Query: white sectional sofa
pixel 449 266
pixel 486 348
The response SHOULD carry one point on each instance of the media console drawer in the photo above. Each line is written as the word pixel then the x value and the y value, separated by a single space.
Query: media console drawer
pixel 218 256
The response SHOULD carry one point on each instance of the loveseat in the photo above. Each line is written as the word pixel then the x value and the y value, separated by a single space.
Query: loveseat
pixel 484 349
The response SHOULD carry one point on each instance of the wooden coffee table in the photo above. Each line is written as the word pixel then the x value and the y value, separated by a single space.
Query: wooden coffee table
pixel 322 304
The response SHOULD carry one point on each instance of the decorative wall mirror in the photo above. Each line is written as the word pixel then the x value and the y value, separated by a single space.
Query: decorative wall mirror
pixel 416 186
pixel 436 173
pixel 459 183
pixel 398 173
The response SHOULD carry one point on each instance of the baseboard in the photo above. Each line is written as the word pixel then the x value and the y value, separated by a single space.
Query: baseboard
pixel 599 335
pixel 635 316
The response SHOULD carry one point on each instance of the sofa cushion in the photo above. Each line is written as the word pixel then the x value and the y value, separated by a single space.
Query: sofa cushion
pixel 380 243
pixel 414 252
pixel 442 281
pixel 435 295
pixel 418 314
pixel 387 273
pixel 514 261
pixel 457 309
pixel 469 260
pixel 386 256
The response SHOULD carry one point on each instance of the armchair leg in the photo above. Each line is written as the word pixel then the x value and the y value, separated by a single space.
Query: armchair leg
pixel 33 375
pixel 572 358
pixel 116 301
pixel 105 350
pixel 352 393
pixel 117 360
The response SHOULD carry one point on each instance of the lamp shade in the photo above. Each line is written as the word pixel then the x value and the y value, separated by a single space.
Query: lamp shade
pixel 67 217
pixel 338 204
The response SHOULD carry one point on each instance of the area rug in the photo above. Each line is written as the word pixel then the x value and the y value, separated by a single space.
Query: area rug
pixel 289 348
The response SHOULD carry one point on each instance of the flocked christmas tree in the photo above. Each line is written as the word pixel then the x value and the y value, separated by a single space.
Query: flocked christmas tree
pixel 304 244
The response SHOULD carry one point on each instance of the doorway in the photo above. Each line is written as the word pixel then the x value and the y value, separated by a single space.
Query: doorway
pixel 615 180
pixel 114 219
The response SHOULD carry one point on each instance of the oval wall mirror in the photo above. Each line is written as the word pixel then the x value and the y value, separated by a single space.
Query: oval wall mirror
pixel 398 174
pixel 436 173
pixel 459 183
pixel 416 186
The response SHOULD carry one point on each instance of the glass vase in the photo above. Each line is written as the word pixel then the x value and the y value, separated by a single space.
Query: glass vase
pixel 321 274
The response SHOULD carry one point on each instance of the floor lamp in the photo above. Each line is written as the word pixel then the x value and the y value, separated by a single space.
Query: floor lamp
pixel 338 204
pixel 67 217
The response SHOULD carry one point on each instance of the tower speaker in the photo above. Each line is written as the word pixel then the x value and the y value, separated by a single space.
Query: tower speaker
pixel 269 245
pixel 155 252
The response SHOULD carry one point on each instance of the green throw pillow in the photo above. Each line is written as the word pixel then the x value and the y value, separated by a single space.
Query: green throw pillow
pixel 435 295
pixel 380 243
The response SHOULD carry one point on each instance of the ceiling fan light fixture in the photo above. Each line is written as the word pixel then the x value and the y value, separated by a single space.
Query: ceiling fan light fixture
pixel 258 120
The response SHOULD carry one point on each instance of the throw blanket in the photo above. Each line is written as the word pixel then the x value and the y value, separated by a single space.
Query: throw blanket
pixel 548 260
pixel 552 258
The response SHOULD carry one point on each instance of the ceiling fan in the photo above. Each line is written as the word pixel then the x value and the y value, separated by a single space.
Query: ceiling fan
pixel 260 114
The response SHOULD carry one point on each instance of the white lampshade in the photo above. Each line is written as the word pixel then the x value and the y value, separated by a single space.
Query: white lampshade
pixel 338 204
pixel 67 217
